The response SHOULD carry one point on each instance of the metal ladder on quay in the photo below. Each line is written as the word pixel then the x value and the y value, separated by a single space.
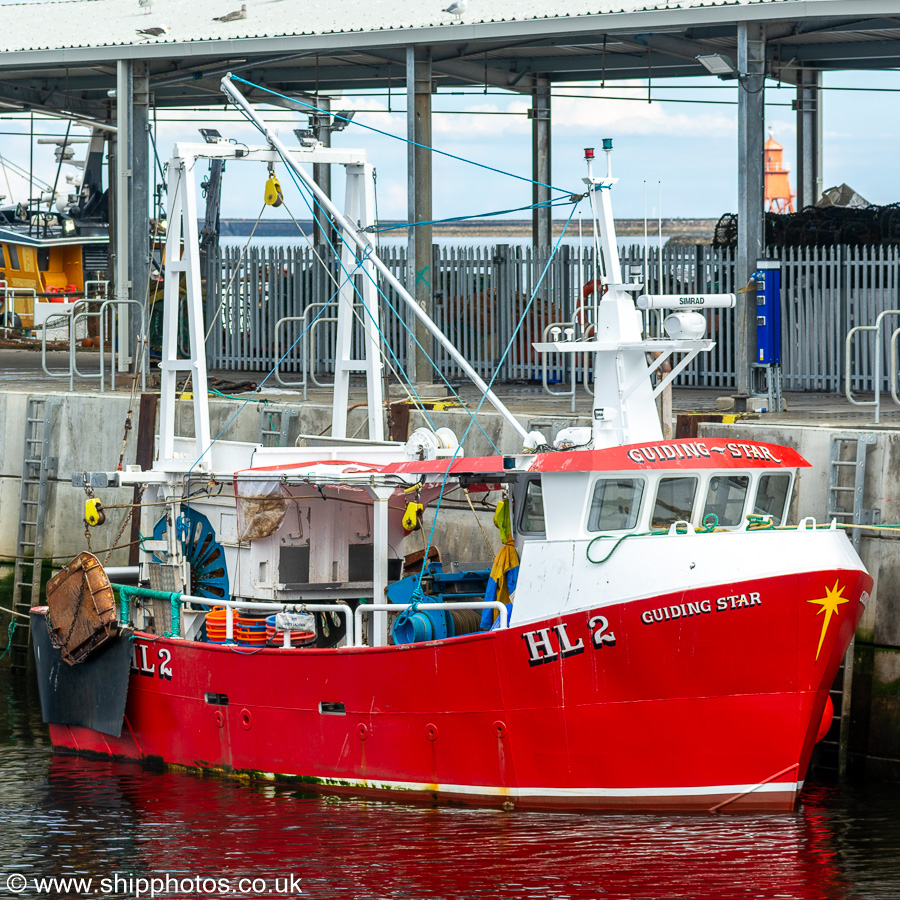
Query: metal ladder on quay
pixel 847 463
pixel 275 425
pixel 36 466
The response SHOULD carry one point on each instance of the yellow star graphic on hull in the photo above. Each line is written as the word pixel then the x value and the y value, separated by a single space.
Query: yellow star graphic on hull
pixel 829 605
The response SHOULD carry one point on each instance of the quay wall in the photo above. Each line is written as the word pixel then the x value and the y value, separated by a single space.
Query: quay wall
pixel 874 735
pixel 87 435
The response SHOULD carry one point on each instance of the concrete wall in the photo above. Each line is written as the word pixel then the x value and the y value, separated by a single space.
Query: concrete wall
pixel 86 434
pixel 875 698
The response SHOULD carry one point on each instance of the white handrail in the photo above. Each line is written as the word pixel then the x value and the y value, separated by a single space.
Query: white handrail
pixel 306 367
pixel 80 309
pixel 9 300
pixel 894 363
pixel 848 345
pixel 272 606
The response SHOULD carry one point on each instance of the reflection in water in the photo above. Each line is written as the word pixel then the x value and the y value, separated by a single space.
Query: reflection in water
pixel 62 815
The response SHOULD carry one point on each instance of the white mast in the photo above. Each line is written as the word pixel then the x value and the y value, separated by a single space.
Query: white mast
pixel 624 411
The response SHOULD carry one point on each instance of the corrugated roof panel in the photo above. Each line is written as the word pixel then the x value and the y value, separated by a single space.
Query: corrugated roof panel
pixel 63 24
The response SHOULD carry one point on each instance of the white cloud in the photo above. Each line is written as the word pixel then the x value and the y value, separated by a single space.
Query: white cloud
pixel 637 117
pixel 590 111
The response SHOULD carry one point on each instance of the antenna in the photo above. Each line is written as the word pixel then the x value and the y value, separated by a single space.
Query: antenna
pixel 646 256
pixel 659 212
pixel 578 302
pixel 591 183
pixel 646 244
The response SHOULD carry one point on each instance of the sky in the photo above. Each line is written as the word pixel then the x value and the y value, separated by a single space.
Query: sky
pixel 683 144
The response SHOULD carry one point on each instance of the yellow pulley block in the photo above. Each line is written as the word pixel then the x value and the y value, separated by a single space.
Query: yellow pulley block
pixel 93 512
pixel 274 195
pixel 411 516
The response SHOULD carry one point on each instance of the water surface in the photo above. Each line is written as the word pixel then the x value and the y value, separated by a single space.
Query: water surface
pixel 65 816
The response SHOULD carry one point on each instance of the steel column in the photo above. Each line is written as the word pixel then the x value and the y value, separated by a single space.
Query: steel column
pixel 419 274
pixel 139 200
pixel 542 219
pixel 322 171
pixel 122 236
pixel 809 138
pixel 751 187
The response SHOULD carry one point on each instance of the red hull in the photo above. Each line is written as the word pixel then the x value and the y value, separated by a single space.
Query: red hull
pixel 685 712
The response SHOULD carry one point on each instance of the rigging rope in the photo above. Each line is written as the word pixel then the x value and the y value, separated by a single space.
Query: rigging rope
pixel 10 631
pixel 377 229
pixel 304 191
pixel 143 341
pixel 497 368
pixel 312 107
pixel 399 375
pixel 234 273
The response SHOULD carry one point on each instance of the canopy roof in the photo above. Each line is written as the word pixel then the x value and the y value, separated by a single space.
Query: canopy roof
pixel 60 54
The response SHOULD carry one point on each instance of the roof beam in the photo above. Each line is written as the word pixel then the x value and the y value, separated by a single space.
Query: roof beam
pixel 468 72
pixel 52 100
pixel 857 51
pixel 680 48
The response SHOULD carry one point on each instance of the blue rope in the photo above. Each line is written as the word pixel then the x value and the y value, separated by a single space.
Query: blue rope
pixel 304 190
pixel 417 592
pixel 324 231
pixel 377 229
pixel 394 136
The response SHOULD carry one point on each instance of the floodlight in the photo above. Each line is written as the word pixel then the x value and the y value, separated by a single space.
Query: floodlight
pixel 342 118
pixel 717 64
pixel 211 135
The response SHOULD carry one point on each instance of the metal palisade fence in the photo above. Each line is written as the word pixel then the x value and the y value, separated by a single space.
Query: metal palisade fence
pixel 279 303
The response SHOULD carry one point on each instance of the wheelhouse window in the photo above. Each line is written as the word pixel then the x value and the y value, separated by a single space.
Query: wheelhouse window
pixel 674 501
pixel 531 519
pixel 615 504
pixel 725 497
pixel 772 495
pixel 13 253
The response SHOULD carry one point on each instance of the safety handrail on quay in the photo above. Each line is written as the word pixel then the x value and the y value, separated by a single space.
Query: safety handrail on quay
pixel 877 354
pixel 79 310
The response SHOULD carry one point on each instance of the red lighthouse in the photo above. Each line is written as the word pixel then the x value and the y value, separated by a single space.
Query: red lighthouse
pixel 779 197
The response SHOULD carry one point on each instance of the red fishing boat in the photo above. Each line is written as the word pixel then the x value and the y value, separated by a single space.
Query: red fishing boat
pixel 649 635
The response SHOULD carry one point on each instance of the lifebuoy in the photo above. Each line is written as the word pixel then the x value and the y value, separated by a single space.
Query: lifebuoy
pixel 588 289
